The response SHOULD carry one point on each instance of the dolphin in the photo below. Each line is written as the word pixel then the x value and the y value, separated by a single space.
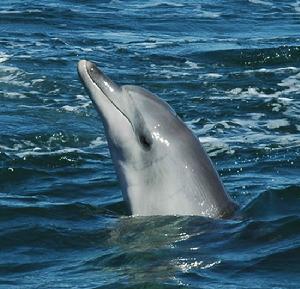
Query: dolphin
pixel 161 166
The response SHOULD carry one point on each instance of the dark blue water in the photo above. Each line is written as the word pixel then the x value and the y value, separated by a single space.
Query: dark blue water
pixel 230 69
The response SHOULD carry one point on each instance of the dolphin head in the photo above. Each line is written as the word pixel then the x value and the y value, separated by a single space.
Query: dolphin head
pixel 160 164
pixel 136 121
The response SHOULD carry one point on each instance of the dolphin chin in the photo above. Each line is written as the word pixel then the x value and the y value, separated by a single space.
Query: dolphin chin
pixel 161 166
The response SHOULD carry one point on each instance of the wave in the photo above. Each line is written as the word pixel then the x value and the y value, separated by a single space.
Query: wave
pixel 51 237
pixel 160 4
pixel 274 203
pixel 287 55
pixel 161 246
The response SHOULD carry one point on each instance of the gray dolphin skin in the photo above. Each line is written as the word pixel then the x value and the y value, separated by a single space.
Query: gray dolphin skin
pixel 161 166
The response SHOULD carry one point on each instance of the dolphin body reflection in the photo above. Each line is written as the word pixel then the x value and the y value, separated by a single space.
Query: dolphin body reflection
pixel 161 166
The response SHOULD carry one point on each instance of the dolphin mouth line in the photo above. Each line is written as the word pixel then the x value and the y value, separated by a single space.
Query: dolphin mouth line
pixel 108 98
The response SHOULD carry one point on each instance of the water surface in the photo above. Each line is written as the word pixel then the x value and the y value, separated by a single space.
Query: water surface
pixel 230 69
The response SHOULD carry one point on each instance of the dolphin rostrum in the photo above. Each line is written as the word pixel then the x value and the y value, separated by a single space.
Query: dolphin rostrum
pixel 161 166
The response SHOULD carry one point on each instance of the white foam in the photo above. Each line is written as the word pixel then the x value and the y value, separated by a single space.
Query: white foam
pixel 4 57
pixel 97 142
pixel 33 10
pixel 152 42
pixel 158 3
pixel 277 123
pixel 208 14
pixel 150 45
pixel 76 108
pixel 37 152
pixel 296 6
pixel 235 91
pixel 16 147
pixel 198 11
pixel 70 108
pixel 19 11
pixel 192 65
pixel 292 83
pixel 229 144
pixel 261 2
pixel 172 73
pixel 38 80
pixel 244 132
pixel 211 75
pixel 237 132
pixel 86 49
pixel 14 95
pixel 215 146
pixel 14 77
pixel 280 69
pixel 253 92
pixel 82 97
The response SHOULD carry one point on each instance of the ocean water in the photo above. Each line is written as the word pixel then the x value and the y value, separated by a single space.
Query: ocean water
pixel 231 71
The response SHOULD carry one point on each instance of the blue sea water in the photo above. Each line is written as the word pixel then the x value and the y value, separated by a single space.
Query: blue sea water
pixel 231 71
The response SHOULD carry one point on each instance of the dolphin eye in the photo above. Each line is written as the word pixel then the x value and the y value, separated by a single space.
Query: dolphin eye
pixel 145 142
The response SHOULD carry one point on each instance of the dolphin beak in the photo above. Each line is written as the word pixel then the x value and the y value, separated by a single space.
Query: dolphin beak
pixel 101 89
pixel 88 71
pixel 104 93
